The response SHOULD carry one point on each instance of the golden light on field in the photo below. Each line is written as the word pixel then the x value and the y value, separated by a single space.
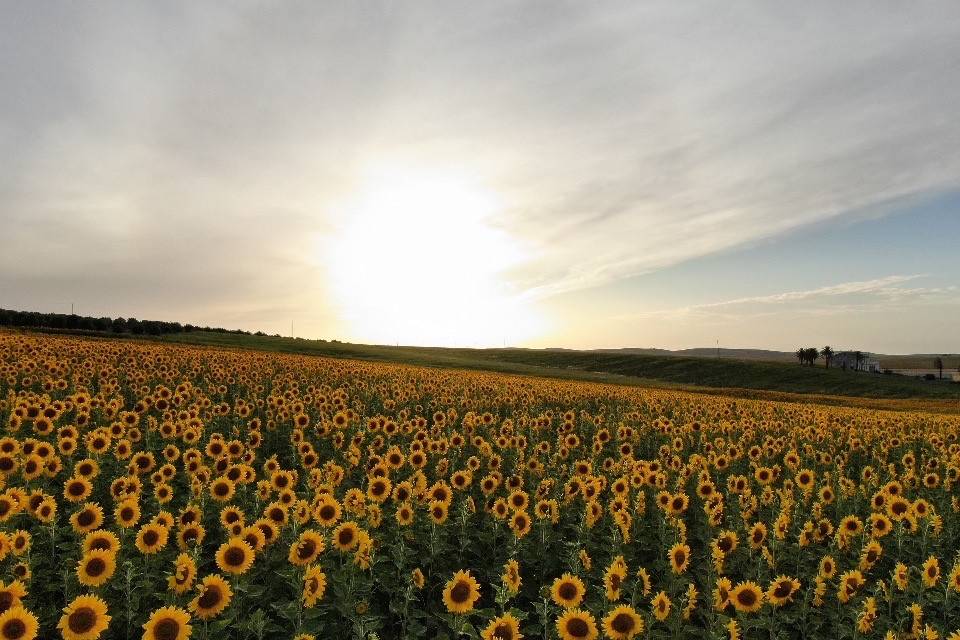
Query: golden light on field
pixel 416 259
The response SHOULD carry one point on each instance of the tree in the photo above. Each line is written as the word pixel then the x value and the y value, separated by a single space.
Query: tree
pixel 827 353
pixel 938 364
pixel 858 356
pixel 801 354
pixel 812 355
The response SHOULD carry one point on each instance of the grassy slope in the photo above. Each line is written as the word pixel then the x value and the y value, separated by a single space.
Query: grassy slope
pixel 610 367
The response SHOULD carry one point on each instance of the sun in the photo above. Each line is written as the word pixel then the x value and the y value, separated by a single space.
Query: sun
pixel 416 259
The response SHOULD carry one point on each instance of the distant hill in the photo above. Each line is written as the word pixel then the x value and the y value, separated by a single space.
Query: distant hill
pixel 888 361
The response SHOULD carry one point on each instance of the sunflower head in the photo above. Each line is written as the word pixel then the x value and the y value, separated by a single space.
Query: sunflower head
pixel 167 623
pixel 214 596
pixel 85 617
pixel 461 593
pixel 575 624
pixel 567 591
pixel 235 556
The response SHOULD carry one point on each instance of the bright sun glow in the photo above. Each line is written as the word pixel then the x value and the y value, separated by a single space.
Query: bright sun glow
pixel 415 260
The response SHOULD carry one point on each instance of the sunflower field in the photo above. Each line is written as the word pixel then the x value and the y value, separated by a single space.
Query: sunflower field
pixel 166 492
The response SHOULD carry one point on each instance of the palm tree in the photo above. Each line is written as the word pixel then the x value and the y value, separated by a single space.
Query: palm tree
pixel 938 364
pixel 827 353
pixel 812 355
pixel 801 354
pixel 858 355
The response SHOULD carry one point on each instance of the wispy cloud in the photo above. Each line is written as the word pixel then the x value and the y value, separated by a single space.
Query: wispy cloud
pixel 827 300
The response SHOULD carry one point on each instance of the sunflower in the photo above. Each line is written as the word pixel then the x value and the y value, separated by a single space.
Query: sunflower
pixel 520 524
pixel 306 548
pixel 679 557
pixel 505 627
pixel 127 513
pixel 567 591
pixel 184 573
pixel 254 537
pixel 575 624
pixel 850 583
pixel 404 514
pixel 622 623
pixel 77 488
pixel 46 510
pixel 235 556
pixel 222 489
pixel 88 518
pixel 96 567
pixel 85 618
pixel 721 593
pixel 747 597
pixel 661 606
pixel 10 595
pixel 152 538
pixel 417 577
pixel 439 511
pixel 314 585
pixel 511 576
pixel 16 623
pixel 167 623
pixel 327 511
pixel 191 535
pixel 461 593
pixel 781 590
pixel 101 539
pixel 931 571
pixel 20 542
pixel 215 595
pixel 613 578
pixel 346 536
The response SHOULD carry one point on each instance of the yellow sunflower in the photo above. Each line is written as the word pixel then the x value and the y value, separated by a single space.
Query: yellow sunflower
pixel 575 624
pixel 306 548
pixel 167 623
pixel 660 605
pixel 461 593
pixel 101 539
pixel 781 590
pixel 679 557
pixel 85 618
pixel 152 538
pixel 235 556
pixel 747 597
pixel 567 591
pixel 511 576
pixel 505 627
pixel 184 573
pixel 215 595
pixel 11 594
pixel 96 567
pixel 346 536
pixel 16 623
pixel 622 623
pixel 314 585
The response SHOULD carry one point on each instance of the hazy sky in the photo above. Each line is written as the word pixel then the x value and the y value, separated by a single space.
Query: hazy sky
pixel 582 174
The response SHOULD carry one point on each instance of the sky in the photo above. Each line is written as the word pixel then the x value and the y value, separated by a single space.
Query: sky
pixel 584 175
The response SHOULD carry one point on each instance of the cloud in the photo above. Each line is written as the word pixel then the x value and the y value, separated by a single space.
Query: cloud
pixel 844 297
pixel 179 159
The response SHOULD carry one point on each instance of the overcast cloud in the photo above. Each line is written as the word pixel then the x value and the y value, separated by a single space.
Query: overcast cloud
pixel 179 160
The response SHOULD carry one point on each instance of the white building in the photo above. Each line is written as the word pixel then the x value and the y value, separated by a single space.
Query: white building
pixel 849 360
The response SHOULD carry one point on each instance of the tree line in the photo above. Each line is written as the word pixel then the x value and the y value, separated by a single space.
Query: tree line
pixel 809 355
pixel 73 322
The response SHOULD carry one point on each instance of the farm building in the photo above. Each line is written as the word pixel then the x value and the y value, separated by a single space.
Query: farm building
pixel 849 360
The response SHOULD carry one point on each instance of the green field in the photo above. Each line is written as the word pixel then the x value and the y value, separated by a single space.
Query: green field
pixel 629 368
